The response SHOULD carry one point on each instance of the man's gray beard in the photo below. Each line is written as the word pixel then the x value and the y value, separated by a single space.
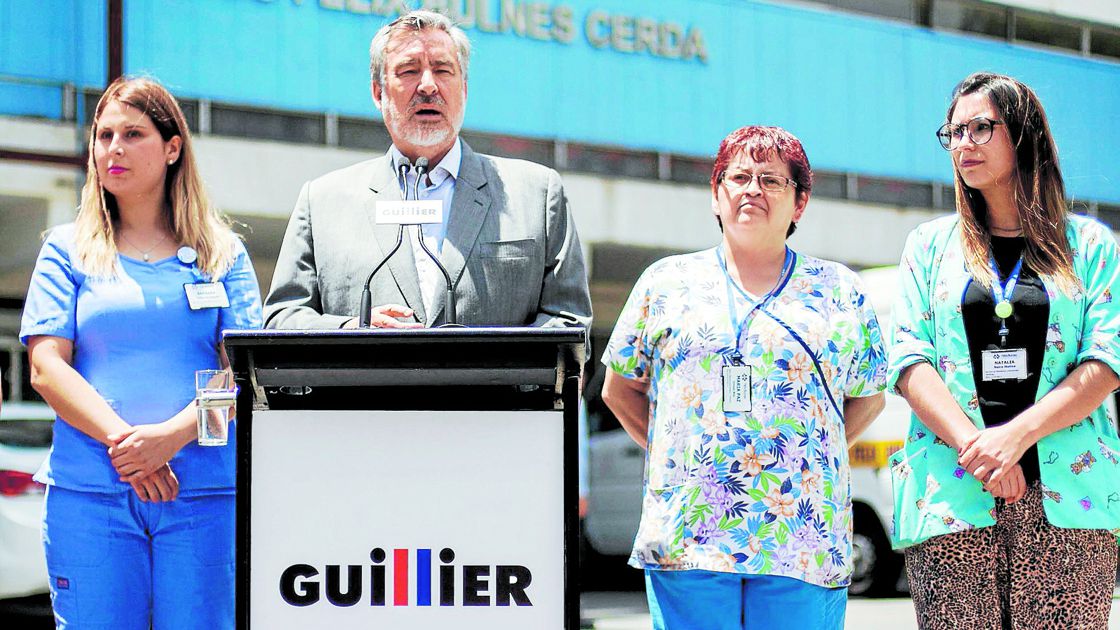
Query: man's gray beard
pixel 419 134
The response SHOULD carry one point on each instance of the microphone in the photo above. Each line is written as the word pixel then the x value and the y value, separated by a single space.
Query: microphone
pixel 421 172
pixel 402 175
pixel 367 297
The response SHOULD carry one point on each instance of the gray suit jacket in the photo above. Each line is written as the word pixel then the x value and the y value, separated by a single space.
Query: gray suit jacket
pixel 511 250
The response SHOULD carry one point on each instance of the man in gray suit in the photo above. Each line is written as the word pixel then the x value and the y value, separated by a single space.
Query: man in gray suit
pixel 507 240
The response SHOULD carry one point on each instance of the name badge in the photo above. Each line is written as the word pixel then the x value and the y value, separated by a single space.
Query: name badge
pixel 410 212
pixel 1000 365
pixel 206 295
pixel 736 388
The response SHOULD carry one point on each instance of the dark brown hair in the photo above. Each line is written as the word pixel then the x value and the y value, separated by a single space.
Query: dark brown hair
pixel 1037 186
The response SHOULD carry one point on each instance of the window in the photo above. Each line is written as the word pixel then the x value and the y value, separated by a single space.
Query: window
pixel 689 170
pixel 907 10
pixel 539 151
pixel 831 185
pixel 1104 41
pixel 1048 31
pixel 190 113
pixel 619 162
pixel 1109 215
pixel 226 120
pixel 969 17
pixel 894 192
pixel 948 196
pixel 357 133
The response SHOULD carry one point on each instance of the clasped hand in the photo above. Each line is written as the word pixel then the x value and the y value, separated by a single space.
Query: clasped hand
pixel 140 455
pixel 992 456
pixel 141 450
pixel 161 485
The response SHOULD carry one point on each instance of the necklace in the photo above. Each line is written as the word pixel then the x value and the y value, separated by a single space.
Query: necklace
pixel 146 253
pixel 1013 230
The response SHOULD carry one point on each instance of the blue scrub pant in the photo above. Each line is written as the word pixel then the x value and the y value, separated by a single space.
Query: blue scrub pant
pixel 709 600
pixel 118 563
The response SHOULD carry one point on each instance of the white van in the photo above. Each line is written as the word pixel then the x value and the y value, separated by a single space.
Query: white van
pixel 616 466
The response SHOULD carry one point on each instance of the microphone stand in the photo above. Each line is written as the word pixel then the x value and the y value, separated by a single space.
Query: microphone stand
pixel 366 311
pixel 421 171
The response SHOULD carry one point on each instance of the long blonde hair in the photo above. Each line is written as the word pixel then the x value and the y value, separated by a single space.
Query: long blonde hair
pixel 192 219
pixel 1038 189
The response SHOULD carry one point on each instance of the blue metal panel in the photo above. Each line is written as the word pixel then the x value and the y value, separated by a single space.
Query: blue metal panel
pixel 864 95
pixel 22 99
pixel 55 40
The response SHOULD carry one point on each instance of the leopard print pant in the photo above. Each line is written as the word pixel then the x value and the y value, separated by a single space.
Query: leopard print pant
pixel 1021 574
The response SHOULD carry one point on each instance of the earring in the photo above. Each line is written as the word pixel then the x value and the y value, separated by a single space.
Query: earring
pixel 170 162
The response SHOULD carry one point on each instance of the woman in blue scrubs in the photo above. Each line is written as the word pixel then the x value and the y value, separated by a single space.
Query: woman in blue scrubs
pixel 139 519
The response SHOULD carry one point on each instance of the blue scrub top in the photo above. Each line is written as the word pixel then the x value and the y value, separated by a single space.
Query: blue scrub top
pixel 138 343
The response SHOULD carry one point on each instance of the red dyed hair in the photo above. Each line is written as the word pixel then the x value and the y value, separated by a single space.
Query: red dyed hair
pixel 762 144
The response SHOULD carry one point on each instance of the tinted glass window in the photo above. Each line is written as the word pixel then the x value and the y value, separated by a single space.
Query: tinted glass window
pixel 1044 29
pixel 690 170
pixel 969 17
pixel 539 151
pixel 896 9
pixel 355 133
pixel 604 161
pixel 831 185
pixel 1105 42
pixel 249 123
pixel 1109 215
pixel 894 192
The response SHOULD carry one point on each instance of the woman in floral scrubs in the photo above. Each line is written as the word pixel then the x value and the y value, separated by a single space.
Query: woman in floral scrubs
pixel 1005 346
pixel 746 370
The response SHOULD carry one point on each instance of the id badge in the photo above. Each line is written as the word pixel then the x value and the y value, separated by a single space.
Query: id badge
pixel 206 295
pixel 736 388
pixel 998 365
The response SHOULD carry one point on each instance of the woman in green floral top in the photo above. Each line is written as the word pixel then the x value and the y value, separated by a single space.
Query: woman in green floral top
pixel 1005 345
pixel 747 369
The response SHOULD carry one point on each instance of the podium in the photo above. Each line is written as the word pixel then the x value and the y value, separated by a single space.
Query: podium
pixel 407 479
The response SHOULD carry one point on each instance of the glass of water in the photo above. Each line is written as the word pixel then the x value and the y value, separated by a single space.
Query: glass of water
pixel 215 396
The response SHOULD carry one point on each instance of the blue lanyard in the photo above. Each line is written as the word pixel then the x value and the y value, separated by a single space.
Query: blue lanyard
pixel 742 325
pixel 1001 294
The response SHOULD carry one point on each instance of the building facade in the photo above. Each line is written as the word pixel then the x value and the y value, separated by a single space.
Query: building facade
pixel 628 100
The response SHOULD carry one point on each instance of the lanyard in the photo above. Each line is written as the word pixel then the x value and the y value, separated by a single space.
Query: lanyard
pixel 1001 295
pixel 742 325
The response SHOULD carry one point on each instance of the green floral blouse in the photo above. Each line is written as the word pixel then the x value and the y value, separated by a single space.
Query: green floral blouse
pixel 1079 466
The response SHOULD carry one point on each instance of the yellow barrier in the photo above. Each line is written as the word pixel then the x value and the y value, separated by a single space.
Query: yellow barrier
pixel 872 454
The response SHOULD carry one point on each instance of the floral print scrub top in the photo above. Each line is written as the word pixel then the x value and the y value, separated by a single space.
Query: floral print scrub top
pixel 762 492
pixel 1079 466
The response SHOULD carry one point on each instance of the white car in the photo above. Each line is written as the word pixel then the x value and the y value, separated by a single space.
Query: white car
pixel 25 439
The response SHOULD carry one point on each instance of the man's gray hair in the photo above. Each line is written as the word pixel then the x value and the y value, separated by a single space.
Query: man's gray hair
pixel 416 21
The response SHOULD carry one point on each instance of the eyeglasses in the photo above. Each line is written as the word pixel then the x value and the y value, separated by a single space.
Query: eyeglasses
pixel 979 131
pixel 766 181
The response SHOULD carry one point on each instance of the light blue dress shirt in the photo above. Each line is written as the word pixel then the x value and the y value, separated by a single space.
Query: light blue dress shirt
pixel 440 185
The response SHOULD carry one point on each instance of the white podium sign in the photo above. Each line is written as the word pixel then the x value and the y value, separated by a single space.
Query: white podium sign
pixel 407 520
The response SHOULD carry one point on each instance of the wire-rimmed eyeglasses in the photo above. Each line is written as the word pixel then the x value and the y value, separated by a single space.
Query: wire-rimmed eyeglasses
pixel 766 181
pixel 979 131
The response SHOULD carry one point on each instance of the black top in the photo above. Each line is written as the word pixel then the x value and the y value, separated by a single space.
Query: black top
pixel 1002 400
